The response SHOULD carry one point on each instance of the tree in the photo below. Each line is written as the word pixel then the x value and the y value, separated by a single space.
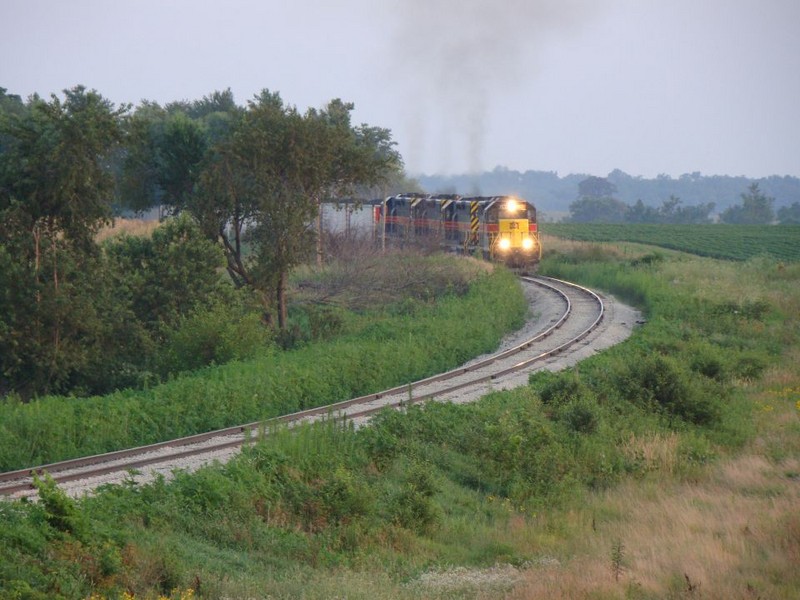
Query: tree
pixel 789 215
pixel 756 209
pixel 596 187
pixel 264 184
pixel 214 103
pixel 671 211
pixel 55 192
pixel 164 159
pixel 694 214
pixel 281 163
pixel 360 156
pixel 10 103
pixel 167 149
pixel 163 277
pixel 639 213
pixel 597 210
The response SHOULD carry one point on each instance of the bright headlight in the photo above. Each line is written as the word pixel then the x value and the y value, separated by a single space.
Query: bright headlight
pixel 512 205
pixel 527 243
pixel 504 244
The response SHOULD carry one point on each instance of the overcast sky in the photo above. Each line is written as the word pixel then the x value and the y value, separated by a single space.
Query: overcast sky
pixel 573 86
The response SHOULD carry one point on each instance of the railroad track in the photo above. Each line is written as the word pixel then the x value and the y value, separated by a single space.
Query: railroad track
pixel 581 313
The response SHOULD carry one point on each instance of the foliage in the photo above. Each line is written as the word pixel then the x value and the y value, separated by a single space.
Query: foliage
pixel 669 212
pixel 664 386
pixel 270 176
pixel 588 209
pixel 167 149
pixel 756 209
pixel 224 328
pixel 596 187
pixel 163 277
pixel 55 187
pixel 789 215
pixel 60 510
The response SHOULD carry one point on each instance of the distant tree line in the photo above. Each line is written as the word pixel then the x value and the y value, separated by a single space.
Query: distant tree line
pixel 596 204
pixel 243 185
pixel 552 192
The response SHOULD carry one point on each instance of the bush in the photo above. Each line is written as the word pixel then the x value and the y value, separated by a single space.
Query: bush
pixel 661 384
pixel 221 331
pixel 580 416
pixel 558 389
pixel 413 507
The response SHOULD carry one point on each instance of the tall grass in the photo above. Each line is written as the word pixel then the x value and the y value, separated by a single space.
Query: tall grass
pixel 138 227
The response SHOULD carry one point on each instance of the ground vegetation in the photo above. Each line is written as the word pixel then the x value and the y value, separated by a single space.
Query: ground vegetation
pixel 665 467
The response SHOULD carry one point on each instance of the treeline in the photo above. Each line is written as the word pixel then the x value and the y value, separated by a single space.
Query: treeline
pixel 80 317
pixel 554 193
pixel 597 204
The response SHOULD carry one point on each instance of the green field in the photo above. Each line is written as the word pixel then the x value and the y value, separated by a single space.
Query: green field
pixel 731 242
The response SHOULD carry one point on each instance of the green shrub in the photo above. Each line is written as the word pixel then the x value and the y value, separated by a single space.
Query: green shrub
pixel 580 416
pixel 60 510
pixel 218 332
pixel 413 506
pixel 557 389
pixel 664 385
pixel 749 366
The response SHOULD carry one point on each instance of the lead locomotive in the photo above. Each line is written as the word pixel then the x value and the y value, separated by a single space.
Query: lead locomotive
pixel 501 228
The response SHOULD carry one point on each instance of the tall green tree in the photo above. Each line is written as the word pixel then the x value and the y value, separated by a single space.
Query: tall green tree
pixel 262 187
pixel 359 157
pixel 163 159
pixel 598 210
pixel 596 187
pixel 280 163
pixel 789 215
pixel 755 209
pixel 56 189
pixel 167 149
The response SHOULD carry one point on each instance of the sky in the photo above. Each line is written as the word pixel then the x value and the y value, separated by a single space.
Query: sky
pixel 571 86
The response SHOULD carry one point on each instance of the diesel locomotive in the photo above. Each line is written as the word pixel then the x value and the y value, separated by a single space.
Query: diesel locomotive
pixel 502 229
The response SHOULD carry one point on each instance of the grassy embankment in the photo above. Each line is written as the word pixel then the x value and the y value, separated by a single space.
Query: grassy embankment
pixel 666 467
pixel 419 317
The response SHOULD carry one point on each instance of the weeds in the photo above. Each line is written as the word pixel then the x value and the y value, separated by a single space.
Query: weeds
pixel 617 558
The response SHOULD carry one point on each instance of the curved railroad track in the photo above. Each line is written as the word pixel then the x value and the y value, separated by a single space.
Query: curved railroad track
pixel 557 332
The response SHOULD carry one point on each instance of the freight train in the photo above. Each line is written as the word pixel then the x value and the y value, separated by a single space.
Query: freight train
pixel 502 229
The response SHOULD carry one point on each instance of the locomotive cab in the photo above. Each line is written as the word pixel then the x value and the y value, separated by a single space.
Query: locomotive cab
pixel 512 231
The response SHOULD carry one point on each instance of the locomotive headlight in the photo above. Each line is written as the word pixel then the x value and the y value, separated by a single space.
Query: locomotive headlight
pixel 512 205
pixel 504 244
pixel 527 243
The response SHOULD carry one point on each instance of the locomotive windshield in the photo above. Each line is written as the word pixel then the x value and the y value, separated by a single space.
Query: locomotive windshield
pixel 511 208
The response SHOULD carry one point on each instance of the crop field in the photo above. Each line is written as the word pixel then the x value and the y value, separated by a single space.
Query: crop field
pixel 730 242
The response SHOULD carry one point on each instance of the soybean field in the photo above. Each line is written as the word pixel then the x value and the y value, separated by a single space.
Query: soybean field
pixel 732 242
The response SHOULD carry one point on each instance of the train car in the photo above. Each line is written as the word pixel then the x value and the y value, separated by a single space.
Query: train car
pixel 502 229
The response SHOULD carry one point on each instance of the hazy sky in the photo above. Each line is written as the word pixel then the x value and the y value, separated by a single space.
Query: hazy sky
pixel 574 86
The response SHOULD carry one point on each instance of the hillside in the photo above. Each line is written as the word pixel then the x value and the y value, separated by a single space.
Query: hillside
pixel 665 467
